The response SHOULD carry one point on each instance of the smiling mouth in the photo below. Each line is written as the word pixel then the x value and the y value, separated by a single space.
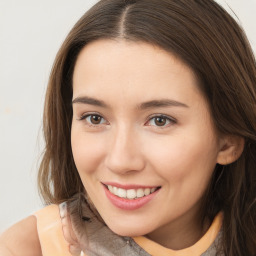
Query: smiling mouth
pixel 131 193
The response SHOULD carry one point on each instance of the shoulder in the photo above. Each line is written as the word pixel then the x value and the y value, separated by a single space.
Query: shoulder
pixel 21 239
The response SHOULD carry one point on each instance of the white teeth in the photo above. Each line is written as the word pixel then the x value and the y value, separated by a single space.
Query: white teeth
pixel 146 191
pixel 130 193
pixel 115 190
pixel 152 190
pixel 140 192
pixel 110 188
pixel 121 193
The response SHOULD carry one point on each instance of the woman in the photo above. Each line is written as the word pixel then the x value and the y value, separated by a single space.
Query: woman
pixel 150 136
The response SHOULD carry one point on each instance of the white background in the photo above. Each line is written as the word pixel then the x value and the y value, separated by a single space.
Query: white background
pixel 31 33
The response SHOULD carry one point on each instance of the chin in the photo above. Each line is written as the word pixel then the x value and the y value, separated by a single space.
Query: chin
pixel 129 230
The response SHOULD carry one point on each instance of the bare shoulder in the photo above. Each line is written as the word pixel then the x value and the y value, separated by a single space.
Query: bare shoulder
pixel 21 239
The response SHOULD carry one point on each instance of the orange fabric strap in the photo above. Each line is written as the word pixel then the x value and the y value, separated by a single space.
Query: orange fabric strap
pixel 197 249
pixel 50 232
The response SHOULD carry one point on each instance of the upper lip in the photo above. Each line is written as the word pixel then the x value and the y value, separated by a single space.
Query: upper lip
pixel 127 186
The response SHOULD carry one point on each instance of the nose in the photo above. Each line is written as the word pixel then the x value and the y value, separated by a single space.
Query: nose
pixel 124 154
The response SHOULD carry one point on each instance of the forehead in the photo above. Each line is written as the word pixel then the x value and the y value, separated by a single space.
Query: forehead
pixel 130 70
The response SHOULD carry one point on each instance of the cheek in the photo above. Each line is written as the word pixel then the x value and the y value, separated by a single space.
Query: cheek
pixel 186 167
pixel 87 151
pixel 184 157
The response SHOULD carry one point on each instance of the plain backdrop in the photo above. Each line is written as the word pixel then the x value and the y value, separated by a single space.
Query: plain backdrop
pixel 31 33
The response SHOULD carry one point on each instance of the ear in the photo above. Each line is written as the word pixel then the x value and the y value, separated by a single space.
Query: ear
pixel 231 149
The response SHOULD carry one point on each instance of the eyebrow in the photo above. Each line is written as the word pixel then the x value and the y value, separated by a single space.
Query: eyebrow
pixel 90 101
pixel 161 103
pixel 143 106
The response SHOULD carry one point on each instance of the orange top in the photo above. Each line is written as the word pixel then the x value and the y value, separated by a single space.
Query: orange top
pixel 53 243
pixel 197 249
pixel 50 233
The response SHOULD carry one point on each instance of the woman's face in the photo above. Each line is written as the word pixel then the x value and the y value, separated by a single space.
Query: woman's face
pixel 142 137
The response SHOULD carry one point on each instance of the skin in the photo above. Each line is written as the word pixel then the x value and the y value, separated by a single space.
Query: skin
pixel 21 239
pixel 128 146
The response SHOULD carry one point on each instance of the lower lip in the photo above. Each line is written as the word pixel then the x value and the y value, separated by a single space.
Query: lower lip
pixel 129 204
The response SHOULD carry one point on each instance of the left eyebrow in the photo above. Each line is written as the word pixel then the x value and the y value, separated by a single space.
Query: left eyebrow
pixel 89 101
pixel 161 103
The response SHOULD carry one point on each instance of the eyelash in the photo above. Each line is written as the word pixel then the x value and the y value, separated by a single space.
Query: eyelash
pixel 167 119
pixel 84 117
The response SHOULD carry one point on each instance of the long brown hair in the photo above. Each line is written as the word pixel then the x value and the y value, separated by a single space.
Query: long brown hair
pixel 210 41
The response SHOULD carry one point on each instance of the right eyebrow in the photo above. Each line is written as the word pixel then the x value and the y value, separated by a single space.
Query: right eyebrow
pixel 162 103
pixel 89 101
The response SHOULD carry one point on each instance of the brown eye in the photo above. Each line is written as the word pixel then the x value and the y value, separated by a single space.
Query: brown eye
pixel 160 121
pixel 95 119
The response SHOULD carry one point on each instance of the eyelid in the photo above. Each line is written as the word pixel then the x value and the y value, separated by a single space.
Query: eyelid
pixel 169 118
pixel 87 114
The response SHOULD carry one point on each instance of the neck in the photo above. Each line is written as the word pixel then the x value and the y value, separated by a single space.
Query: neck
pixel 182 233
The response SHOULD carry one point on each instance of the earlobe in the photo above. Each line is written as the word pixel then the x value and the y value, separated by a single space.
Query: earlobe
pixel 231 149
